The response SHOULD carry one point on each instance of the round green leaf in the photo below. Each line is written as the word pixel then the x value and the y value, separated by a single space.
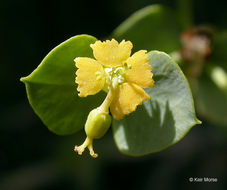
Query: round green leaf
pixel 152 28
pixel 163 120
pixel 211 90
pixel 211 96
pixel 52 91
pixel 219 49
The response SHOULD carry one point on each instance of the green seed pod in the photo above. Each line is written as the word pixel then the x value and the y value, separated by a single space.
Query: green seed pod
pixel 97 124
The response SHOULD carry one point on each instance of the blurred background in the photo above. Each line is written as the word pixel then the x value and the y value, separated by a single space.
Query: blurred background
pixel 33 158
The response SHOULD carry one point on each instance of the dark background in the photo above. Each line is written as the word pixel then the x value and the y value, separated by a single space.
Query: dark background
pixel 32 158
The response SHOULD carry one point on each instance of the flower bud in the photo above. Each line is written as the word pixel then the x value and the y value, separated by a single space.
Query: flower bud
pixel 97 123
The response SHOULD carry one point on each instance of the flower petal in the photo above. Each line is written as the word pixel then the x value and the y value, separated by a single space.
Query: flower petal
pixel 88 83
pixel 127 98
pixel 110 53
pixel 140 71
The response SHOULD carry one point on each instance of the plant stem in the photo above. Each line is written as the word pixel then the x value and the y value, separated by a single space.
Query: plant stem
pixel 185 13
pixel 106 103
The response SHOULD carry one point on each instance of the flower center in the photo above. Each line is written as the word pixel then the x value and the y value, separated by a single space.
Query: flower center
pixel 117 72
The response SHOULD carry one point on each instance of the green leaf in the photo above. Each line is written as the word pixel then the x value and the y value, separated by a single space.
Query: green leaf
pixel 219 49
pixel 151 28
pixel 52 92
pixel 163 120
pixel 211 91
pixel 211 95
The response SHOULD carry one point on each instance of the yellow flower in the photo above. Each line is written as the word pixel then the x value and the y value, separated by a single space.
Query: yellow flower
pixel 121 76
pixel 115 69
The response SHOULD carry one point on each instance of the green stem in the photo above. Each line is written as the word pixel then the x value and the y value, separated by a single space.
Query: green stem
pixel 106 103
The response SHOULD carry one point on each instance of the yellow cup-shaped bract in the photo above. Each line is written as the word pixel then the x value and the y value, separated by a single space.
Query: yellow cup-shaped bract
pixel 97 124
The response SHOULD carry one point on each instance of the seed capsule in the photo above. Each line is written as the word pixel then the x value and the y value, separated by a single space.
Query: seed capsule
pixel 97 124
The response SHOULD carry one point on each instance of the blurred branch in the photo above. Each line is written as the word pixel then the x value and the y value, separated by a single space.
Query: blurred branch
pixel 185 13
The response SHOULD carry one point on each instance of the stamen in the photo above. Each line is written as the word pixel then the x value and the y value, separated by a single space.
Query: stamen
pixel 121 79
pixel 119 71
pixel 108 70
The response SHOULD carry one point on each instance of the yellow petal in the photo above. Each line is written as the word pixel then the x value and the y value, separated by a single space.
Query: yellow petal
pixel 87 76
pixel 126 99
pixel 140 71
pixel 110 53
